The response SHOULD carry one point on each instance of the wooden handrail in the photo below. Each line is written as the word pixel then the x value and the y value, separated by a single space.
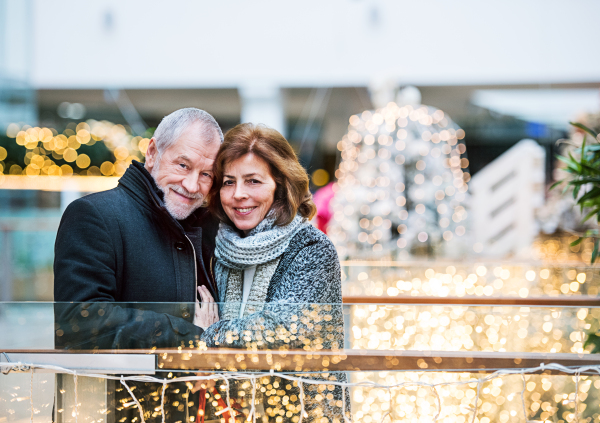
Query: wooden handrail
pixel 466 262
pixel 570 301
pixel 228 359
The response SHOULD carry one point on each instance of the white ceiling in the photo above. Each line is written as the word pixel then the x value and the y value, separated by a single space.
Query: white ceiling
pixel 220 44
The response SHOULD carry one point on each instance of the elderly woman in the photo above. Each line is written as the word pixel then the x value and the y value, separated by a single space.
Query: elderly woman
pixel 278 277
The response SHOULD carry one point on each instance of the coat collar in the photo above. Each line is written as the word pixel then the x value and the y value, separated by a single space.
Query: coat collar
pixel 142 187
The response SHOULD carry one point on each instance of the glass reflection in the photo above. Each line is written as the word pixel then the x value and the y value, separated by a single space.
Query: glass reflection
pixel 380 337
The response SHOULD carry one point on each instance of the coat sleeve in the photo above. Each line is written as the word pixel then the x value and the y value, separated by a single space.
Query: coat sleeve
pixel 85 262
pixel 305 308
pixel 86 257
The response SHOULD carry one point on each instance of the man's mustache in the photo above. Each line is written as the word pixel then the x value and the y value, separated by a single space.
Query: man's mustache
pixel 181 190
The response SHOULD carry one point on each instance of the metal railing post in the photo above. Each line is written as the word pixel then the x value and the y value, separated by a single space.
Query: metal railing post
pixel 6 274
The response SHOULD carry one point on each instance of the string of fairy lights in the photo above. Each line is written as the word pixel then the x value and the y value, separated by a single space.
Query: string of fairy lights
pixel 426 397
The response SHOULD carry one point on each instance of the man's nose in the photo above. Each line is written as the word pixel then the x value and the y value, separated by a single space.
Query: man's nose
pixel 191 183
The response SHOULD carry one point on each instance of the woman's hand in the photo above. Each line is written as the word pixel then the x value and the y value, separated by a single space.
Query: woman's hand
pixel 207 384
pixel 206 313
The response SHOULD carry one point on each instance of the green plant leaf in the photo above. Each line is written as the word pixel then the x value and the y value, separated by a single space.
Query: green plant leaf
pixel 594 340
pixel 593 193
pixel 595 251
pixel 589 168
pixel 577 241
pixel 575 163
pixel 583 181
pixel 567 160
pixel 590 215
pixel 584 128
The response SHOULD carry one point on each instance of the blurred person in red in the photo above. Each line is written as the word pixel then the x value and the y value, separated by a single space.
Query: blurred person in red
pixel 322 199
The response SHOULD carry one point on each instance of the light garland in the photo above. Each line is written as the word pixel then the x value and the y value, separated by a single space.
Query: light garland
pixel 401 185
pixel 391 413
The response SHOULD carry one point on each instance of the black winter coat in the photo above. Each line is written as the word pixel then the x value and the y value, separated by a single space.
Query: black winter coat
pixel 122 246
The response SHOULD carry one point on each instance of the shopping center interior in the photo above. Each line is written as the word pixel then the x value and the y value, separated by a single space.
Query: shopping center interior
pixel 431 133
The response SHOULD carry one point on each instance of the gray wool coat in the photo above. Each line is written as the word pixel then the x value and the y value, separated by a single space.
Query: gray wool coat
pixel 302 310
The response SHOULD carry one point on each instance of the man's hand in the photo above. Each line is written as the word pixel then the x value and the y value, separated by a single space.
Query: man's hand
pixel 207 313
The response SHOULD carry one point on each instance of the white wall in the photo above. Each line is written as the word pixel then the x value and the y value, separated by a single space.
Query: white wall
pixel 16 39
pixel 158 44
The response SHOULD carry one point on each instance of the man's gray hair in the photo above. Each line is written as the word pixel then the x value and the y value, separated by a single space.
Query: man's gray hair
pixel 171 127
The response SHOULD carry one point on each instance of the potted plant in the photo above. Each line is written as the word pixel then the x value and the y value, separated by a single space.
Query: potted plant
pixel 582 166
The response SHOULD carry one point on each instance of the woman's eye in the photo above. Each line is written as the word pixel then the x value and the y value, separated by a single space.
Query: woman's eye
pixel 227 183
pixel 254 181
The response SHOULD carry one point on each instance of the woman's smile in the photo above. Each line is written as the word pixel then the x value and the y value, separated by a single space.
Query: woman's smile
pixel 245 211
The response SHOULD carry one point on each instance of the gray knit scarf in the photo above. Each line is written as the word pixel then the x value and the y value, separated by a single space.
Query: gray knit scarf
pixel 263 244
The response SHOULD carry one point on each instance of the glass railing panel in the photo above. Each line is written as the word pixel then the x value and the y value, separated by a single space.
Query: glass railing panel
pixel 476 279
pixel 471 328
pixel 448 355
pixel 28 325
pixel 308 327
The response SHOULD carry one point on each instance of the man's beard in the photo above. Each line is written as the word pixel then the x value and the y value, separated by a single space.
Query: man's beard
pixel 177 209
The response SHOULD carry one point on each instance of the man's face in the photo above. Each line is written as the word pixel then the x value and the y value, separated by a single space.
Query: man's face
pixel 184 171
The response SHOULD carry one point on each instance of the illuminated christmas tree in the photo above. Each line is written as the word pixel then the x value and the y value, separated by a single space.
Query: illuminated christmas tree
pixel 401 185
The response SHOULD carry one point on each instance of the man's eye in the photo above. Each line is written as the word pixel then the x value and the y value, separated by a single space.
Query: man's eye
pixel 183 165
pixel 207 175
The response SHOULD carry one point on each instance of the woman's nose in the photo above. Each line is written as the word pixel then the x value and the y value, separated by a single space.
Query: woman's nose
pixel 240 192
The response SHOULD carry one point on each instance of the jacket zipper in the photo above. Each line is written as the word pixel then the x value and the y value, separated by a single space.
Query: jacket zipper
pixel 195 272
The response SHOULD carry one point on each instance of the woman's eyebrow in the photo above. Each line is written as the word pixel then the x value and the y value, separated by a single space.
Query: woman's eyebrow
pixel 248 175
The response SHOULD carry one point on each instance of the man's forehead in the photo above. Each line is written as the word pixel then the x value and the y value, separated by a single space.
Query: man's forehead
pixel 195 157
pixel 195 146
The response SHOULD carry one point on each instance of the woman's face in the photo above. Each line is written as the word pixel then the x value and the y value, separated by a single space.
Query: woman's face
pixel 248 191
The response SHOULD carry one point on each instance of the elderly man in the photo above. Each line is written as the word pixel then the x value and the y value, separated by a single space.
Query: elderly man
pixel 147 241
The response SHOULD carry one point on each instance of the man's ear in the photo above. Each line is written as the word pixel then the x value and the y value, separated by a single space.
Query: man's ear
pixel 151 155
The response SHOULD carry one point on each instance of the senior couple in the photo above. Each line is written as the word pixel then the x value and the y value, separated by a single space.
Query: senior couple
pixel 206 219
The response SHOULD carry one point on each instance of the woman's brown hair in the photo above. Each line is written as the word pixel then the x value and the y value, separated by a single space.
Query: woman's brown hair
pixel 292 195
